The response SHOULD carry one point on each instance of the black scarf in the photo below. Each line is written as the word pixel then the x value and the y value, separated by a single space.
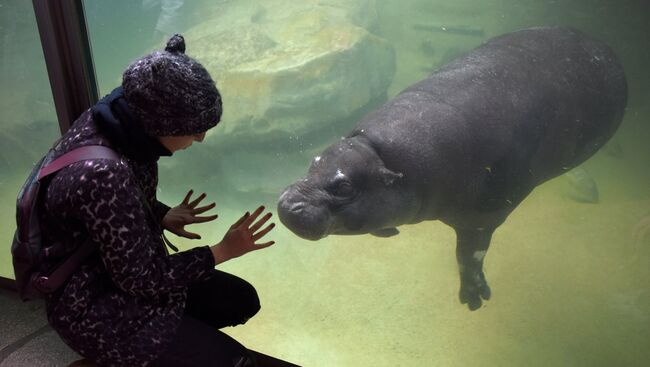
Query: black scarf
pixel 124 130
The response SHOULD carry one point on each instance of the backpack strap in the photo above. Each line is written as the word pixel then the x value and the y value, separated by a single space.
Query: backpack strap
pixel 76 155
pixel 62 272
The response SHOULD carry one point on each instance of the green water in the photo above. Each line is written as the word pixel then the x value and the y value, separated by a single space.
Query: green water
pixel 569 280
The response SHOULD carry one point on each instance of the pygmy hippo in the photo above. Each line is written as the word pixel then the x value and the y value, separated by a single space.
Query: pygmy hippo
pixel 466 145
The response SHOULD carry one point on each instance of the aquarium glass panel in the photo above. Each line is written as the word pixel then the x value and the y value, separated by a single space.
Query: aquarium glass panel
pixel 517 145
pixel 28 123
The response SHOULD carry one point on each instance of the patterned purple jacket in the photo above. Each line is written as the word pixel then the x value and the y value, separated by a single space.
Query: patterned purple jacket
pixel 123 306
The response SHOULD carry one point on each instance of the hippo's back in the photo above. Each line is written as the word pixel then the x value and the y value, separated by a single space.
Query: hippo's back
pixel 553 94
pixel 547 98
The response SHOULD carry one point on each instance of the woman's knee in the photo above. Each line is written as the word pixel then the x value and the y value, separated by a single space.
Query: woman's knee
pixel 225 299
pixel 250 301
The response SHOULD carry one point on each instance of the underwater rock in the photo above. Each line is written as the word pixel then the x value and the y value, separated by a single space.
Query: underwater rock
pixel 292 66
pixel 293 75
pixel 466 145
pixel 583 187
pixel 362 13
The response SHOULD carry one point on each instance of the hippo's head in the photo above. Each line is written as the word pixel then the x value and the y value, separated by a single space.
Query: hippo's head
pixel 347 190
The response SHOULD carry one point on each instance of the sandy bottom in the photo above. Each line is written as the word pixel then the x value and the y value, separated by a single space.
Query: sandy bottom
pixel 570 288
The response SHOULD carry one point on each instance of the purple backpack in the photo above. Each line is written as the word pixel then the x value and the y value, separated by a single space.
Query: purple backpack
pixel 28 249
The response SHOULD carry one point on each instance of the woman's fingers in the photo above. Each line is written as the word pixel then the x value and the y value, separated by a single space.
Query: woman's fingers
pixel 247 222
pixel 203 209
pixel 260 223
pixel 240 220
pixel 186 234
pixel 196 201
pixel 187 197
pixel 207 218
pixel 263 245
pixel 263 232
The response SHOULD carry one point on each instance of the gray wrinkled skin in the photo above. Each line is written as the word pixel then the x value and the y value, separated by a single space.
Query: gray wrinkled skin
pixel 466 145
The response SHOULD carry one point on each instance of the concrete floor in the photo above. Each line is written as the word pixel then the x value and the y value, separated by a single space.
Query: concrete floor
pixel 26 340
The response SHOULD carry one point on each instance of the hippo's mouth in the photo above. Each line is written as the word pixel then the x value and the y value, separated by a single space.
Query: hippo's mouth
pixel 305 220
pixel 306 233
pixel 305 223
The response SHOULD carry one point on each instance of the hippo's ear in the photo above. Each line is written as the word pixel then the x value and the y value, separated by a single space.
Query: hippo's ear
pixel 388 177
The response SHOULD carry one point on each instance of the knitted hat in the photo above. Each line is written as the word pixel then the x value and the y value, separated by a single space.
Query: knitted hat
pixel 171 93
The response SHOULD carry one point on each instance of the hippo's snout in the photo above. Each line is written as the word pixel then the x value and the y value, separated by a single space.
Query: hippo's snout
pixel 297 208
pixel 301 216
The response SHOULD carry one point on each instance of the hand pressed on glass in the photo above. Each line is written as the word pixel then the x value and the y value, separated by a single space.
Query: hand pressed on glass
pixel 187 213
pixel 242 236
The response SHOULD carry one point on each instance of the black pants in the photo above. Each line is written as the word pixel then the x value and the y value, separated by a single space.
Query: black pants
pixel 223 300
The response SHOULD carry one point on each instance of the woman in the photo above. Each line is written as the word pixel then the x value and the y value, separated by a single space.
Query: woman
pixel 132 304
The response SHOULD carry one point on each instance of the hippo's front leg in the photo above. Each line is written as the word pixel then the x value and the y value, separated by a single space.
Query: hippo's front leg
pixel 471 247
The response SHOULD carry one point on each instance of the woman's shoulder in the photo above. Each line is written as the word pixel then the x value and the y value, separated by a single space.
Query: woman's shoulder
pixel 91 174
pixel 89 182
pixel 84 131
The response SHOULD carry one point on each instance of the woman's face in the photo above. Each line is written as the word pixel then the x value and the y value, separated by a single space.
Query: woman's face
pixel 174 143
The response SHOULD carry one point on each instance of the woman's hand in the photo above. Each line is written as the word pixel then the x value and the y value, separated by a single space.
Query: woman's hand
pixel 186 213
pixel 242 236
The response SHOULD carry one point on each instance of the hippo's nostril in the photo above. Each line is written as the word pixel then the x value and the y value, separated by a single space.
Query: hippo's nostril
pixel 297 207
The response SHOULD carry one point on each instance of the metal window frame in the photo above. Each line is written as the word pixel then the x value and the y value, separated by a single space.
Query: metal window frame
pixel 68 57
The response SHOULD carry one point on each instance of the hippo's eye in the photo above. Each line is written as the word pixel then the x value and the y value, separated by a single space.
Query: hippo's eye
pixel 342 188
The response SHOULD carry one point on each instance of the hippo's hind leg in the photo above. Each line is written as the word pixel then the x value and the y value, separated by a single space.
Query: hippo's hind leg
pixel 471 247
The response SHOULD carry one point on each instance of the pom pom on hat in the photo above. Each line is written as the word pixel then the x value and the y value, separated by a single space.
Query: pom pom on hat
pixel 171 93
